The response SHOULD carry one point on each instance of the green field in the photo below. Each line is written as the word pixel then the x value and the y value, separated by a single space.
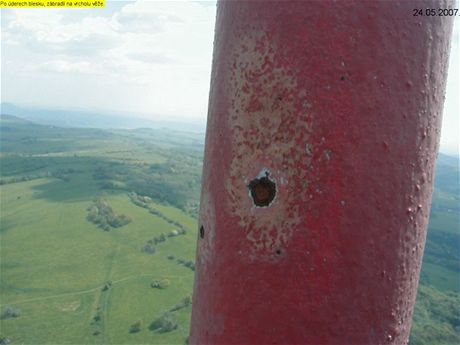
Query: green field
pixel 55 264
pixel 66 280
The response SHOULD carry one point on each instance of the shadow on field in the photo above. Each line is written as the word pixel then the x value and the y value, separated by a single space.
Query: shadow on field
pixel 6 225
pixel 78 187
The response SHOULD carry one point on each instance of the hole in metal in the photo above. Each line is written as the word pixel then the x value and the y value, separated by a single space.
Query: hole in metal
pixel 263 191
pixel 202 231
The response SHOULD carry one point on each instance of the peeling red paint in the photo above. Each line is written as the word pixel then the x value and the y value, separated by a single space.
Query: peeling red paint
pixel 341 103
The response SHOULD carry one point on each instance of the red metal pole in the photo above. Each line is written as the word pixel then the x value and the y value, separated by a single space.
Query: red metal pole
pixel 323 129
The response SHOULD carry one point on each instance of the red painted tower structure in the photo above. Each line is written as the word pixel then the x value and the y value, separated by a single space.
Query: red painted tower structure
pixel 323 129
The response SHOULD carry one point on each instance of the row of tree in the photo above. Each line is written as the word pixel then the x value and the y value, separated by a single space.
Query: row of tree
pixel 167 322
pixel 146 202
pixel 186 263
pixel 149 246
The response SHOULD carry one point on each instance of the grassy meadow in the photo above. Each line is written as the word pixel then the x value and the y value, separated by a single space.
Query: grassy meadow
pixel 55 265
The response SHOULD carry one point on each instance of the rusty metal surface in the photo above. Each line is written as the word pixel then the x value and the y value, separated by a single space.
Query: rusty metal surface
pixel 323 129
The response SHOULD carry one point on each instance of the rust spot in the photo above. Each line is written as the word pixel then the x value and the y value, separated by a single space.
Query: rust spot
pixel 263 191
pixel 202 231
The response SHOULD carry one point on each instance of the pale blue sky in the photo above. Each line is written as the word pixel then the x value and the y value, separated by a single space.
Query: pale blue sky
pixel 450 132
pixel 152 58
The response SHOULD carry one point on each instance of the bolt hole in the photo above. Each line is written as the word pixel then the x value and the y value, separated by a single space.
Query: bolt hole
pixel 202 231
pixel 342 78
pixel 278 252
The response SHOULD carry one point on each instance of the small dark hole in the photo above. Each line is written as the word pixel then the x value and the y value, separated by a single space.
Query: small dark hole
pixel 278 252
pixel 343 78
pixel 263 191
pixel 280 98
pixel 202 231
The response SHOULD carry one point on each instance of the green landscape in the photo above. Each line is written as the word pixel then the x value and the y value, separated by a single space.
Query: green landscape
pixel 98 230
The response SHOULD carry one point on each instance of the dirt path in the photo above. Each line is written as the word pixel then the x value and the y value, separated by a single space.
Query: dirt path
pixel 84 291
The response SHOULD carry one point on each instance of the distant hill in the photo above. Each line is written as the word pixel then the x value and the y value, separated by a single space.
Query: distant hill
pixel 90 119
pixel 12 120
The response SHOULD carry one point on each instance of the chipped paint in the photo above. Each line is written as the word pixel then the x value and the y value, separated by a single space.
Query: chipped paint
pixel 269 122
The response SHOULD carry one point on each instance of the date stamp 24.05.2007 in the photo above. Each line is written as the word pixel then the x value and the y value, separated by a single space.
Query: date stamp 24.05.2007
pixel 435 12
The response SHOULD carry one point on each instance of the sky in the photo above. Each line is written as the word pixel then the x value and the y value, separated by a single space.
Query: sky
pixel 141 57
pixel 147 57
